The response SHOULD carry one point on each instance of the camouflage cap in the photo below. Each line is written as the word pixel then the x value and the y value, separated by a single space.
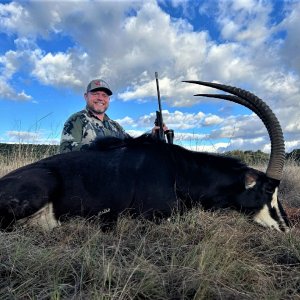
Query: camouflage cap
pixel 99 85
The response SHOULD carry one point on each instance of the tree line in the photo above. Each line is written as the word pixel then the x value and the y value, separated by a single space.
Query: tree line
pixel 40 151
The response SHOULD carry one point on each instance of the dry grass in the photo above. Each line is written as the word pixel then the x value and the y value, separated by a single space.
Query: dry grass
pixel 290 184
pixel 200 255
pixel 197 256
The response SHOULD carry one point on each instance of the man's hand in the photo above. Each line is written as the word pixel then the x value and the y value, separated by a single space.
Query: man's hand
pixel 155 128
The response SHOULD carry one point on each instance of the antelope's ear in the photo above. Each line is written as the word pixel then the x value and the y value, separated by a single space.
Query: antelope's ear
pixel 250 180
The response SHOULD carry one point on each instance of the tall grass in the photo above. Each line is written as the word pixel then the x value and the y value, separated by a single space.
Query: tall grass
pixel 200 255
pixel 13 156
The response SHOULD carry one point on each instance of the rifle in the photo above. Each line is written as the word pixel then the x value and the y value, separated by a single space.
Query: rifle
pixel 159 120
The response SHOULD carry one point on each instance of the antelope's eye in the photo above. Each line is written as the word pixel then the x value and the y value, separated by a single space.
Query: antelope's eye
pixel 269 191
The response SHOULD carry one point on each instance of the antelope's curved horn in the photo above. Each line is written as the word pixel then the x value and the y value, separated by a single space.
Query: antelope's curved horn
pixel 264 112
pixel 233 99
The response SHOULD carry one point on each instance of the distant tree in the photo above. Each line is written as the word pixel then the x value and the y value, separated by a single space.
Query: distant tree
pixel 250 157
pixel 295 155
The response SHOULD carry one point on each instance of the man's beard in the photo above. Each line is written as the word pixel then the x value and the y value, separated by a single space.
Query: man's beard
pixel 97 111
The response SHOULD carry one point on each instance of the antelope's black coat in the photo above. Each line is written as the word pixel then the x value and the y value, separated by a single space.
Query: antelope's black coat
pixel 140 175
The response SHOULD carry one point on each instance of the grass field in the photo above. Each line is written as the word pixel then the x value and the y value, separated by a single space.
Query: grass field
pixel 200 255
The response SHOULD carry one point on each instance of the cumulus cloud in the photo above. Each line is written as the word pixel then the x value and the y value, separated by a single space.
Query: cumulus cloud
pixel 56 70
pixel 134 49
pixel 29 137
pixel 213 148
pixel 137 44
pixel 240 126
pixel 30 19
pixel 22 136
pixel 9 93
pixel 212 120
pixel 290 27
pixel 10 63
pixel 177 121
pixel 245 20
pixel 128 42
pixel 127 121
pixel 174 120
pixel 291 145
pixel 135 133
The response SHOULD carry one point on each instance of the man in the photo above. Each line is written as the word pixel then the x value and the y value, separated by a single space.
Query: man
pixel 84 126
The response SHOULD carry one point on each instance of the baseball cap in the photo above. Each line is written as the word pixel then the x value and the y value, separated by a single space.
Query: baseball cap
pixel 99 85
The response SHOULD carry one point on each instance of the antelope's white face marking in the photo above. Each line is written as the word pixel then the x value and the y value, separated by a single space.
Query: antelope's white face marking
pixel 264 218
pixel 43 218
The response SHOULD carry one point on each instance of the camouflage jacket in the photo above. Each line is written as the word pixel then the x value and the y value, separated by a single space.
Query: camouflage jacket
pixel 83 127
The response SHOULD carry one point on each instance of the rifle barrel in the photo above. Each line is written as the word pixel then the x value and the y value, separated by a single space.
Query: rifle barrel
pixel 158 92
pixel 159 113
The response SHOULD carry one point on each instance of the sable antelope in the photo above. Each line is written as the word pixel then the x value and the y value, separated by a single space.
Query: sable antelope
pixel 147 177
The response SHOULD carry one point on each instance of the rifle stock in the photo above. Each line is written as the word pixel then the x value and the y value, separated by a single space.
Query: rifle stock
pixel 159 123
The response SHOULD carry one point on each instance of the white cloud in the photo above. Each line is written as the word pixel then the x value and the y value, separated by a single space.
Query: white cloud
pixel 135 133
pixel 239 126
pixel 245 21
pixel 246 144
pixel 290 27
pixel 29 137
pixel 214 148
pixel 127 48
pixel 289 146
pixel 10 63
pixel 56 70
pixel 10 14
pixel 174 120
pixel 127 121
pixel 22 136
pixel 189 137
pixel 28 19
pixel 7 92
pixel 212 120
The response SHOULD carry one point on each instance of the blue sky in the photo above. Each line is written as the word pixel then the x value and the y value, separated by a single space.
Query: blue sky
pixel 50 50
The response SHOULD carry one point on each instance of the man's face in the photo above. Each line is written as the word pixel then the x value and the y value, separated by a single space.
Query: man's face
pixel 97 101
